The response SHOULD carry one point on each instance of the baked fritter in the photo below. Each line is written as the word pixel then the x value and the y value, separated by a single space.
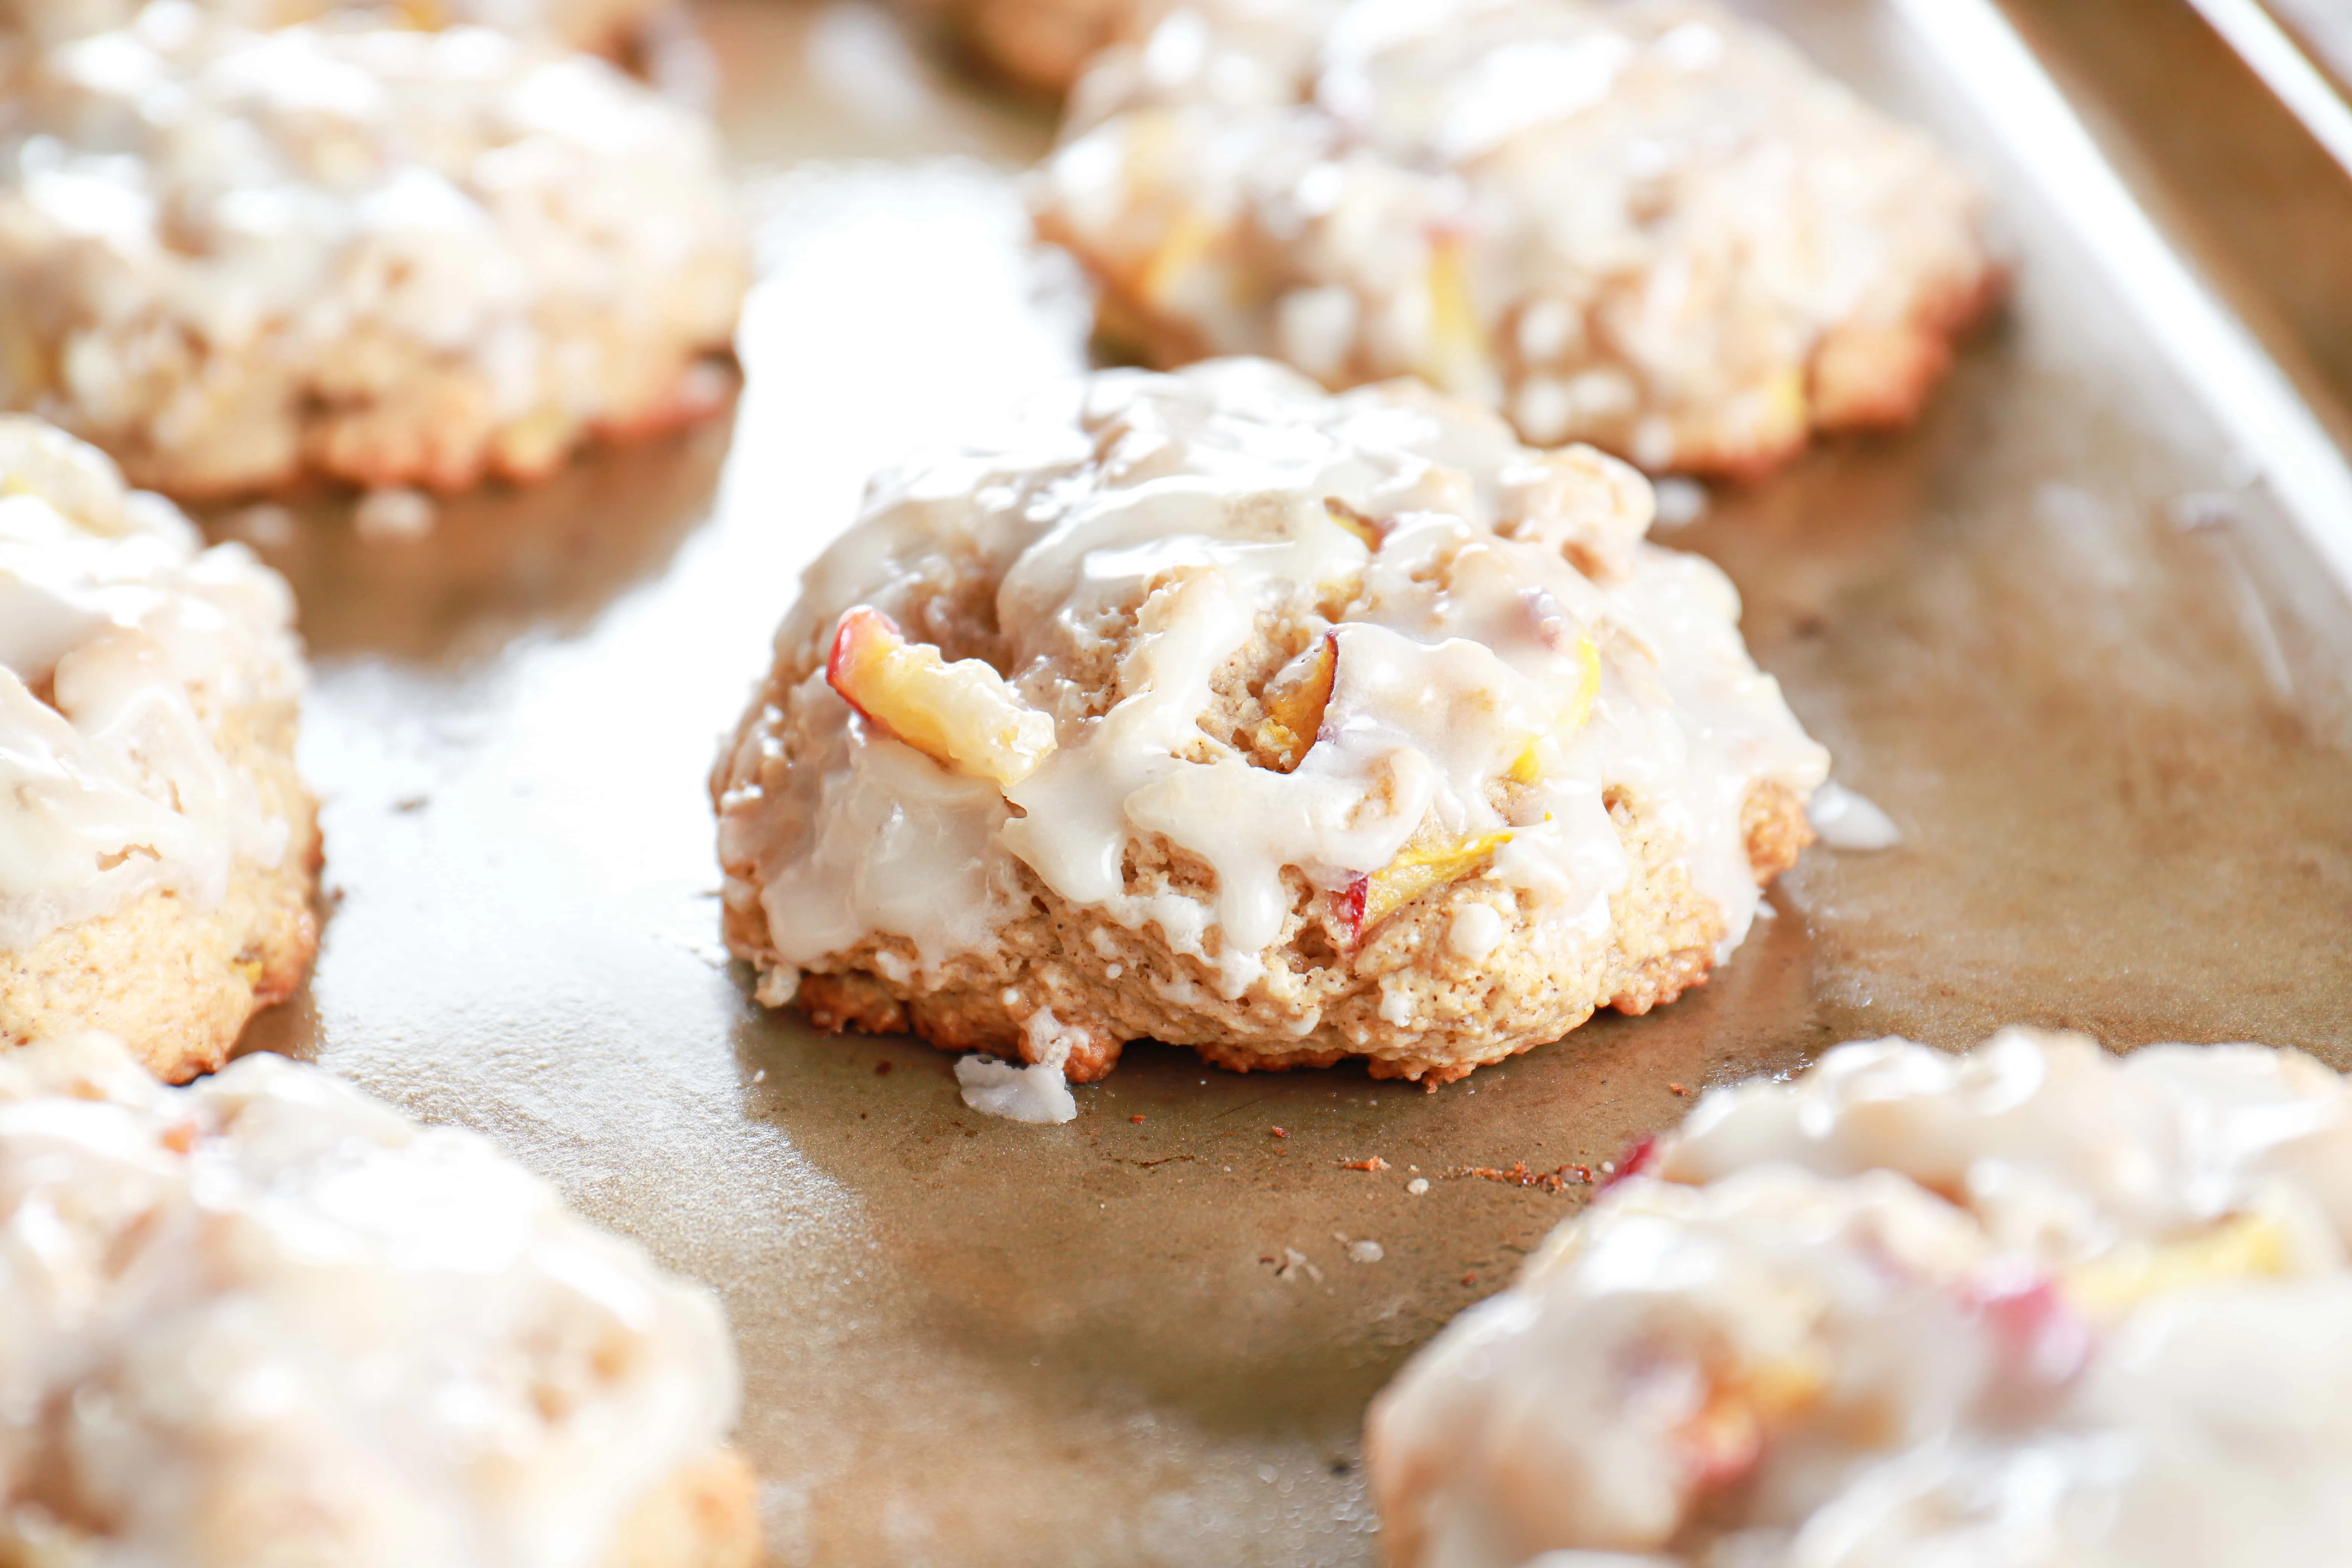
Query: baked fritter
pixel 158 853
pixel 1215 709
pixel 1646 224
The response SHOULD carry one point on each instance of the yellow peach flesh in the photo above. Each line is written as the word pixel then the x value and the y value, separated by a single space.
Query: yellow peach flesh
pixel 2246 1245
pixel 1293 710
pixel 1459 359
pixel 961 715
pixel 1528 767
pixel 1421 868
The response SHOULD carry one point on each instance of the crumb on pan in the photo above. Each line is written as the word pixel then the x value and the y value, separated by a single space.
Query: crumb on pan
pixel 1520 1175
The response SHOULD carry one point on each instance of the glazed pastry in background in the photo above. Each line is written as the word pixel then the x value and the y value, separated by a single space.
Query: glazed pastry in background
pixel 600 25
pixel 391 258
pixel 158 851
pixel 2030 1307
pixel 1214 709
pixel 267 1320
pixel 1038 44
pixel 1649 226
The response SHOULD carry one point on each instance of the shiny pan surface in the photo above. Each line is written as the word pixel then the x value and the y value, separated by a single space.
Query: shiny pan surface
pixel 2070 632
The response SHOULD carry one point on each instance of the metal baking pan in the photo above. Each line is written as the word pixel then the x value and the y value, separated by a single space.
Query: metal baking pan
pixel 2084 634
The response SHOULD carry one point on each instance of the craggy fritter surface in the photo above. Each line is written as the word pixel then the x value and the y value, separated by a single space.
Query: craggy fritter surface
pixel 1098 975
pixel 159 851
pixel 1044 972
pixel 1650 225
pixel 457 1371
pixel 1041 47
pixel 177 982
pixel 706 1515
pixel 600 27
pixel 475 255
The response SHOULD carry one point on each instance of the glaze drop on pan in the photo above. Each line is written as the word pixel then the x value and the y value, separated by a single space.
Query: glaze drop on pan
pixel 1214 709
pixel 2034 1307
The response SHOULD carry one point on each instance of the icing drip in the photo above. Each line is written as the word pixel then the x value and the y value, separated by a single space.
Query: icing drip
pixel 123 643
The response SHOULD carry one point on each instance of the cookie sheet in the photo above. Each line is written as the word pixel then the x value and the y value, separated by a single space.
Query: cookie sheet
pixel 2067 634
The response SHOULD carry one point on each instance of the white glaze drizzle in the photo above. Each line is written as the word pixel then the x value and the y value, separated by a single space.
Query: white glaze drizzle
pixel 278 194
pixel 111 783
pixel 265 1319
pixel 1204 496
pixel 2030 1307
pixel 1656 207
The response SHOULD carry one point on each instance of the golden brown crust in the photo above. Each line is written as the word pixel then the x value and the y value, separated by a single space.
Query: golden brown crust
pixel 1773 820
pixel 1452 963
pixel 1663 978
pixel 838 1004
pixel 1859 376
pixel 175 983
pixel 614 29
pixel 1665 939
pixel 980 1021
pixel 463 452
pixel 1879 377
pixel 436 434
pixel 955 1019
pixel 1126 328
pixel 1037 46
pixel 704 1516
pixel 575 330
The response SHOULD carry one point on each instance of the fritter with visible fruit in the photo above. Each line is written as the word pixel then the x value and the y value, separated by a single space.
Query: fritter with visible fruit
pixel 1213 709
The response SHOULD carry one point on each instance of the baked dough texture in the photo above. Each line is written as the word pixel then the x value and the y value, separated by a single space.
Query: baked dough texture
pixel 231 258
pixel 2032 1307
pixel 1648 225
pixel 267 1320
pixel 602 25
pixel 1039 46
pixel 158 853
pixel 1213 709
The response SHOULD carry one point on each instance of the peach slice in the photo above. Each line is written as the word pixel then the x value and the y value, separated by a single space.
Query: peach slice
pixel 1188 243
pixel 1459 359
pixel 1294 705
pixel 1724 1438
pixel 1573 713
pixel 1419 869
pixel 962 715
pixel 1578 707
pixel 1783 412
pixel 2245 1246
pixel 1720 1442
pixel 1553 623
pixel 1354 521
